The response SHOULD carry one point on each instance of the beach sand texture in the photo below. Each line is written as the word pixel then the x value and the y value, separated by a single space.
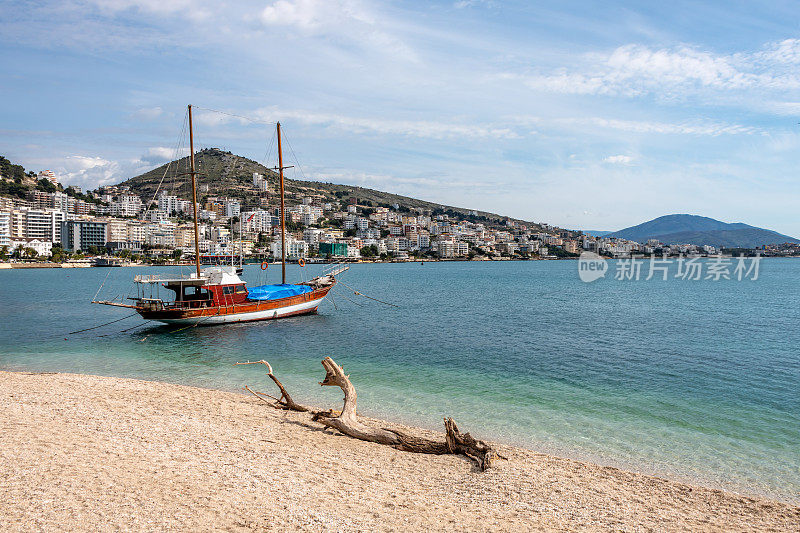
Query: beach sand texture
pixel 87 453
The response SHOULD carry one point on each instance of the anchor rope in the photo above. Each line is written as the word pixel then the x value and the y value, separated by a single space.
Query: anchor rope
pixel 101 325
pixel 357 293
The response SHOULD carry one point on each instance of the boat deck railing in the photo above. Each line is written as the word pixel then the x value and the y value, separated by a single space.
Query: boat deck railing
pixel 334 269
pixel 156 278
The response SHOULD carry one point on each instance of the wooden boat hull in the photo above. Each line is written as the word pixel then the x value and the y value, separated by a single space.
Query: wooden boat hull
pixel 247 312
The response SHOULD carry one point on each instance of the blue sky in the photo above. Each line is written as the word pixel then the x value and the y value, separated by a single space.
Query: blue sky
pixel 588 115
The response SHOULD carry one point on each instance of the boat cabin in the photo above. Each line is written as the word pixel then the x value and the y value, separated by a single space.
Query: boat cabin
pixel 216 287
pixel 193 296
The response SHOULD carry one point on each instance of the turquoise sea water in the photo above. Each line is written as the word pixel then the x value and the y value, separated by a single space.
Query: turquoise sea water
pixel 695 380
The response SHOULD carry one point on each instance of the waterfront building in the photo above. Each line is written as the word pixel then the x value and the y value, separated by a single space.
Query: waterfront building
pixel 42 248
pixel 446 248
pixel 295 249
pixel 334 249
pixel 81 234
pixel 42 224
pixel 5 229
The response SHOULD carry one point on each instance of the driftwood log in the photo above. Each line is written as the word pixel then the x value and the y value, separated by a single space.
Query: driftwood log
pixel 285 401
pixel 347 421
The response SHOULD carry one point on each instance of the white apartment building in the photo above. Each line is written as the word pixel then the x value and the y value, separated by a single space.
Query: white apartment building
pixel 259 182
pixel 451 249
pixel 294 249
pixel 5 228
pixel 392 244
pixel 126 205
pixel 169 204
pixel 232 208
pixel 258 221
pixel 41 224
pixel 155 215
pixel 42 248
pixel 162 235
pixel 137 232
pixel 17 223
pixel 117 230
pixel 312 235
pixel 48 175
pixel 445 249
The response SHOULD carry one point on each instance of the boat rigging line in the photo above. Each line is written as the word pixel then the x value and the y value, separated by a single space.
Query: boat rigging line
pixel 253 120
pixel 101 325
pixel 351 301
pixel 330 297
pixel 176 152
pixel 101 285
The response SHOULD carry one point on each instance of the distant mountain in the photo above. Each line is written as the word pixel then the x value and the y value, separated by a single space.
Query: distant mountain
pixel 227 174
pixel 694 229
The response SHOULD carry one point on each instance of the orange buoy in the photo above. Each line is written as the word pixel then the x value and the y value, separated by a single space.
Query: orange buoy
pixel 302 263
pixel 264 265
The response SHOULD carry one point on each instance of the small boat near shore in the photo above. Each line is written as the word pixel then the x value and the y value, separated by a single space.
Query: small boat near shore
pixel 220 296
pixel 217 294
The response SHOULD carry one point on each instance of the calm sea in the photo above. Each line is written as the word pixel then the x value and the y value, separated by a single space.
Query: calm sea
pixel 695 380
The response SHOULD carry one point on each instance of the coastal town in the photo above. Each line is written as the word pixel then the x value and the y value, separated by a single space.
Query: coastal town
pixel 112 224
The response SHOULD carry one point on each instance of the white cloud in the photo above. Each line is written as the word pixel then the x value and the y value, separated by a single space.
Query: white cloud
pixel 350 21
pixel 705 128
pixel 686 128
pixel 461 4
pixel 618 159
pixel 784 108
pixel 786 52
pixel 188 8
pixel 381 181
pixel 635 70
pixel 88 171
pixel 147 113
pixel 158 155
pixel 411 128
pixel 314 15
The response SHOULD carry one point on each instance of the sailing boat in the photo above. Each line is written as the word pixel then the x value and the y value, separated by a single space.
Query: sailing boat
pixel 217 295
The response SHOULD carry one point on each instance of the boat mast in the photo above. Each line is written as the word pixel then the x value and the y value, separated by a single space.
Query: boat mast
pixel 192 173
pixel 283 215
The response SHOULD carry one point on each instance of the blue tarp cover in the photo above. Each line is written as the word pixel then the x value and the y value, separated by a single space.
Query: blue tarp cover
pixel 273 292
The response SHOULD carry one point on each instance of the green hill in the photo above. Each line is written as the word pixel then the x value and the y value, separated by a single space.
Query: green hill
pixel 230 175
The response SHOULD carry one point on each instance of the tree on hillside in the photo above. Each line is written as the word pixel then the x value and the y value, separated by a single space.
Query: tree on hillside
pixel 9 170
pixel 46 186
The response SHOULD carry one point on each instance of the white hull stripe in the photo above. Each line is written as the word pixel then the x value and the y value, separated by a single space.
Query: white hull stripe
pixel 245 317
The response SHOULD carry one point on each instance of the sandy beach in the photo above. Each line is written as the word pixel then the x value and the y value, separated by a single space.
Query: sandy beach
pixel 87 453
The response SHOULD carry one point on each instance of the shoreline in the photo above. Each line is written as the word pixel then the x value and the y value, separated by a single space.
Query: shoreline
pixel 117 443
